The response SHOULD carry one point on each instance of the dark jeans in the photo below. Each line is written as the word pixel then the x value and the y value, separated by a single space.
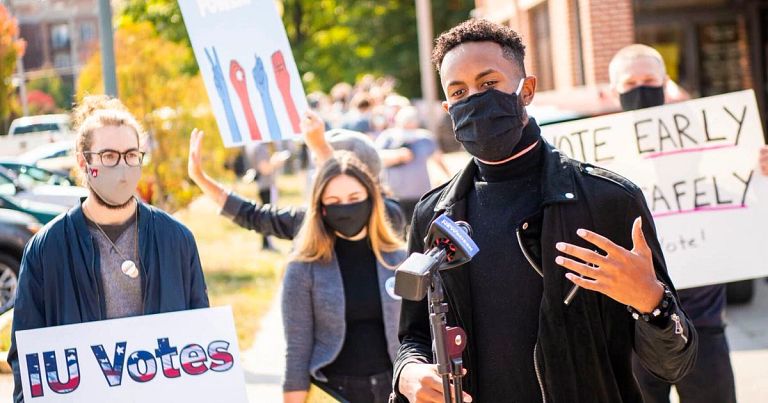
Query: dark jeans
pixel 266 198
pixel 710 380
pixel 363 389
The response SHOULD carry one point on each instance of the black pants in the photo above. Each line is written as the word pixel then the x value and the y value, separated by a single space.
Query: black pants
pixel 363 389
pixel 710 380
pixel 266 197
pixel 408 206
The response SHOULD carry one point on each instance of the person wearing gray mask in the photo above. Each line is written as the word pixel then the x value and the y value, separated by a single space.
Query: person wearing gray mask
pixel 111 256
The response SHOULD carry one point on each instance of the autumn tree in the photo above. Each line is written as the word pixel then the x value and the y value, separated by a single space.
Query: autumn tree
pixel 167 101
pixel 11 48
pixel 334 40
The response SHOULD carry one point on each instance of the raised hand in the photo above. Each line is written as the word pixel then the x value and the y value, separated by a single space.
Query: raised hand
pixel 627 276
pixel 210 188
pixel 313 130
pixel 194 161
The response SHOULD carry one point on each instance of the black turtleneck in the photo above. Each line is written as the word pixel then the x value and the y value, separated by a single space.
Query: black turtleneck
pixel 506 290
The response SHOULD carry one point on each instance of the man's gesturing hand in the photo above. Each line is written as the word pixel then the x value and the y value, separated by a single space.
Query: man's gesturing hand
pixel 420 383
pixel 627 276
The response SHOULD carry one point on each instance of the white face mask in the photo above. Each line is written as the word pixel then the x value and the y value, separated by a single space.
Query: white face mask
pixel 115 185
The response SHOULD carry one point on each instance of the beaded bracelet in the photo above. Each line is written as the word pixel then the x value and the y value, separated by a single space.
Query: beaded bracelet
pixel 661 310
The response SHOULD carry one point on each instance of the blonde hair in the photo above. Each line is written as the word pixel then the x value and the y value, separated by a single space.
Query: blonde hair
pixel 315 241
pixel 631 53
pixel 95 112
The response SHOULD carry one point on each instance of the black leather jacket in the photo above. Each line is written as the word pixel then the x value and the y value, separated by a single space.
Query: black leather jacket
pixel 583 350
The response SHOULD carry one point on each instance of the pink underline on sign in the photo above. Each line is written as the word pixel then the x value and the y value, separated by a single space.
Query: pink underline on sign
pixel 698 210
pixel 687 150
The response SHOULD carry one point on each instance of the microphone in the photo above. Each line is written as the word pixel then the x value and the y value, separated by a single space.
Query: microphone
pixel 449 245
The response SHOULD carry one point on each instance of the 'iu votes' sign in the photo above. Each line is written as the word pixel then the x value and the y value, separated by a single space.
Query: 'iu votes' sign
pixel 697 164
pixel 248 68
pixel 188 356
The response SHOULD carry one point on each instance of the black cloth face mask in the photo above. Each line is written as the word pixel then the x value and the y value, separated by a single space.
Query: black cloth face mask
pixel 642 97
pixel 347 219
pixel 489 124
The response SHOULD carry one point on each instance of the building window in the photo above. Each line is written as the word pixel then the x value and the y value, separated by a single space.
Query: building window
pixel 87 31
pixel 670 42
pixel 60 36
pixel 543 50
pixel 719 58
pixel 578 53
pixel 62 60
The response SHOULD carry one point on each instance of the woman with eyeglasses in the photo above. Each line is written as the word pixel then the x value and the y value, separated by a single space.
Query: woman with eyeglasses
pixel 111 256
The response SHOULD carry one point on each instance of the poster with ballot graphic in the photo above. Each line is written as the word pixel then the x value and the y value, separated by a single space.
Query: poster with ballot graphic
pixel 188 356
pixel 249 72
pixel 697 165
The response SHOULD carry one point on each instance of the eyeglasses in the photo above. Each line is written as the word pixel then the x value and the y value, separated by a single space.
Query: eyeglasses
pixel 110 158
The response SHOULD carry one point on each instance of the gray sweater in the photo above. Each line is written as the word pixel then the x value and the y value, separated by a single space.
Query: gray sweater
pixel 313 316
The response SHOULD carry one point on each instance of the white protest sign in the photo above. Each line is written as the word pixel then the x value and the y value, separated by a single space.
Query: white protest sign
pixel 188 356
pixel 697 164
pixel 248 68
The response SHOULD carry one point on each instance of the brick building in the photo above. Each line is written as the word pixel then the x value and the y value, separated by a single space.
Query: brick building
pixel 61 35
pixel 709 46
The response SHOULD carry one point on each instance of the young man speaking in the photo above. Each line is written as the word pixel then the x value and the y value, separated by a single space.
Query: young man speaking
pixel 543 223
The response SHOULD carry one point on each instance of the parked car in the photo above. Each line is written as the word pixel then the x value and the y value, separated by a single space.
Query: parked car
pixel 67 196
pixel 42 212
pixel 16 228
pixel 58 157
pixel 28 132
pixel 32 175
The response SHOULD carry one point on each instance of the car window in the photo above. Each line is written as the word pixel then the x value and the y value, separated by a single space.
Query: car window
pixel 36 128
pixel 40 176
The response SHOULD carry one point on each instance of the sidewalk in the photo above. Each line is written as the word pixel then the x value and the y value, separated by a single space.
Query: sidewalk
pixel 264 362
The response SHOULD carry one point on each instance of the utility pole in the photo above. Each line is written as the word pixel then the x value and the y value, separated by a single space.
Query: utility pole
pixel 20 70
pixel 106 39
pixel 428 87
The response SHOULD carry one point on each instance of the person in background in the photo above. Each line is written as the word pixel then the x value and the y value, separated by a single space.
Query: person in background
pixel 639 79
pixel 359 117
pixel 408 177
pixel 265 165
pixel 111 256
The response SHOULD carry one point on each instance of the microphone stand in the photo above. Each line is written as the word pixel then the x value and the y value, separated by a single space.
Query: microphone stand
pixel 448 343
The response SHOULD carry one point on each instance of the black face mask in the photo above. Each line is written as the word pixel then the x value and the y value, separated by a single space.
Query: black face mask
pixel 642 97
pixel 489 124
pixel 347 219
